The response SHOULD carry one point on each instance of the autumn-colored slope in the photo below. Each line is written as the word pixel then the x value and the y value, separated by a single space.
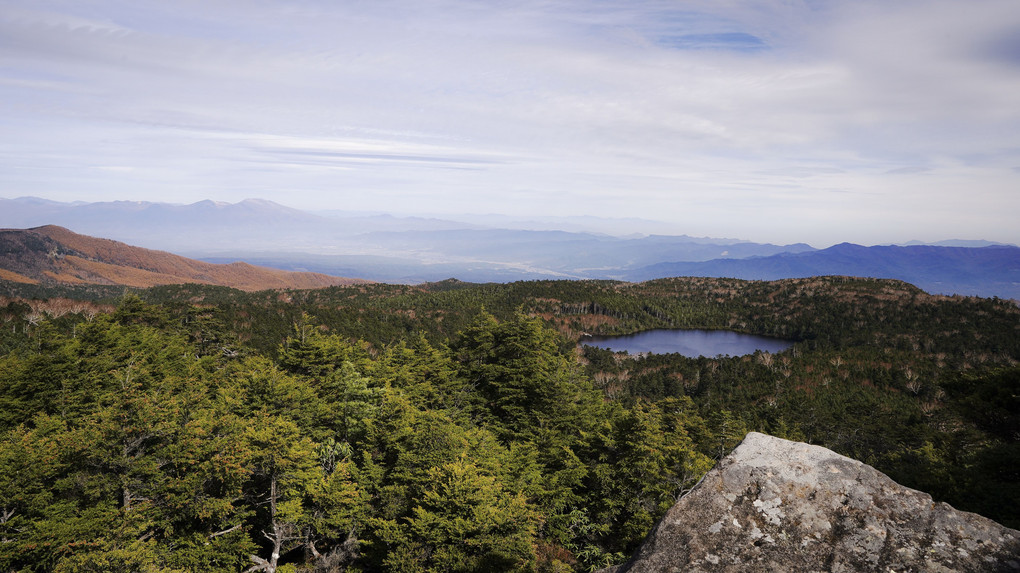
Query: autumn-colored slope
pixel 52 254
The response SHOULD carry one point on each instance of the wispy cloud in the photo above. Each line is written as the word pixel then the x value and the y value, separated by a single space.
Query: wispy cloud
pixel 753 119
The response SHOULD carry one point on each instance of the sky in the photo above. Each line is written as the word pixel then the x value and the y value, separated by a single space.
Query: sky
pixel 871 121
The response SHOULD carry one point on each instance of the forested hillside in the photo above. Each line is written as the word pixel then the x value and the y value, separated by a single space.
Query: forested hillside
pixel 459 427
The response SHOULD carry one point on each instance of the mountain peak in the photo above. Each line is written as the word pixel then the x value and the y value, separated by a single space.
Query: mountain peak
pixel 262 202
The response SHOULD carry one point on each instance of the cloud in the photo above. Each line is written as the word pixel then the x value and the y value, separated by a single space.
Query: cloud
pixel 908 170
pixel 640 108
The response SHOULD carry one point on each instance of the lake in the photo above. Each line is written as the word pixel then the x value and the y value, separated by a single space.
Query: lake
pixel 690 343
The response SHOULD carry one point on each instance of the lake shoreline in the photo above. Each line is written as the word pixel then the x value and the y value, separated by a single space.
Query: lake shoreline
pixel 692 343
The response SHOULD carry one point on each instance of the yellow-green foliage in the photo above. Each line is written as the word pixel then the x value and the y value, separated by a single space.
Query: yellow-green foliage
pixel 404 430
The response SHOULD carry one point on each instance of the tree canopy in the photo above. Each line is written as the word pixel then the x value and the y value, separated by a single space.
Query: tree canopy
pixel 380 427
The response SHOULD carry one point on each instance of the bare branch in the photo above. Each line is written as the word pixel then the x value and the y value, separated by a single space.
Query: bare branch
pixel 260 564
pixel 315 552
pixel 225 531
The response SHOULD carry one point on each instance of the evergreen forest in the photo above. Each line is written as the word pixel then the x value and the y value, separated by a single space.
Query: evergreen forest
pixel 454 427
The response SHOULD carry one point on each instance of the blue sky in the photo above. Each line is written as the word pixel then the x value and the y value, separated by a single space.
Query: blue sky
pixel 865 121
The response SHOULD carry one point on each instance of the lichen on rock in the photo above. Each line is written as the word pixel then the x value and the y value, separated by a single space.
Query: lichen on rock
pixel 776 505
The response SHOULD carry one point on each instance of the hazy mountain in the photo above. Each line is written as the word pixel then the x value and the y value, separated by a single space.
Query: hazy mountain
pixel 55 255
pixel 957 243
pixel 211 230
pixel 985 271
pixel 256 224
pixel 206 224
pixel 417 249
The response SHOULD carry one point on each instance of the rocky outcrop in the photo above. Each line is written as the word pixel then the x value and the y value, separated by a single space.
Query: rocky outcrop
pixel 781 506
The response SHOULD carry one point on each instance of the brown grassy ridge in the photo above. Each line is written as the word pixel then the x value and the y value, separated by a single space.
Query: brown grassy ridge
pixel 15 277
pixel 52 254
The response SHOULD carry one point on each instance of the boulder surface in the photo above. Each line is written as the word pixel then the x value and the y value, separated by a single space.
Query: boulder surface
pixel 781 506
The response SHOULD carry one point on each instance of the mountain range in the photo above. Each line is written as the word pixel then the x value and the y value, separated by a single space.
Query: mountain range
pixel 386 248
pixel 985 271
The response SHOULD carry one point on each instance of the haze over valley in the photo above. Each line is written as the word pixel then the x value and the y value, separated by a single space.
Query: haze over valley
pixel 414 249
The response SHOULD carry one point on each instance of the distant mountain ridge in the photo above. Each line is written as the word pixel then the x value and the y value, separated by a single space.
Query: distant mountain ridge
pixel 982 271
pixel 420 249
pixel 401 249
pixel 55 255
pixel 207 226
pixel 956 243
pixel 258 225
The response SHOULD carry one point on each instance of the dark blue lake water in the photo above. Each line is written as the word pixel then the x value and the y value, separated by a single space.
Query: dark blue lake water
pixel 690 343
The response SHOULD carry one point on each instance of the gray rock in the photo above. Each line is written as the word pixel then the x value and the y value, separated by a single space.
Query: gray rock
pixel 781 506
